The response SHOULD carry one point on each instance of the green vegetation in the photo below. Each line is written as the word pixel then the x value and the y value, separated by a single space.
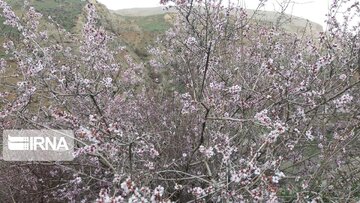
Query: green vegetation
pixel 5 29
pixel 64 12
pixel 154 23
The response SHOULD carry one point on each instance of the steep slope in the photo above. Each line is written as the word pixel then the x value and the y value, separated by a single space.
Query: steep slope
pixel 64 12
pixel 70 15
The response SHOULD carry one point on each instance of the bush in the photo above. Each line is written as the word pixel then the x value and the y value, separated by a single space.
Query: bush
pixel 244 112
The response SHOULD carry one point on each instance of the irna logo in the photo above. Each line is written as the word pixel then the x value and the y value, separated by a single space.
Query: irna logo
pixel 37 143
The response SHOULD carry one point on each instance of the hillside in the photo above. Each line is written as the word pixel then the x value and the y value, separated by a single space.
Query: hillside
pixel 150 22
pixel 142 11
pixel 64 12
pixel 136 28
pixel 290 23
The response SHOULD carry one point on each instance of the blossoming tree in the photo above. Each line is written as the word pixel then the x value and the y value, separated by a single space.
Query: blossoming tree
pixel 243 112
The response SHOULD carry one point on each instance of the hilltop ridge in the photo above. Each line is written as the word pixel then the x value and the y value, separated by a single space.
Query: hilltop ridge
pixel 137 28
pixel 260 15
